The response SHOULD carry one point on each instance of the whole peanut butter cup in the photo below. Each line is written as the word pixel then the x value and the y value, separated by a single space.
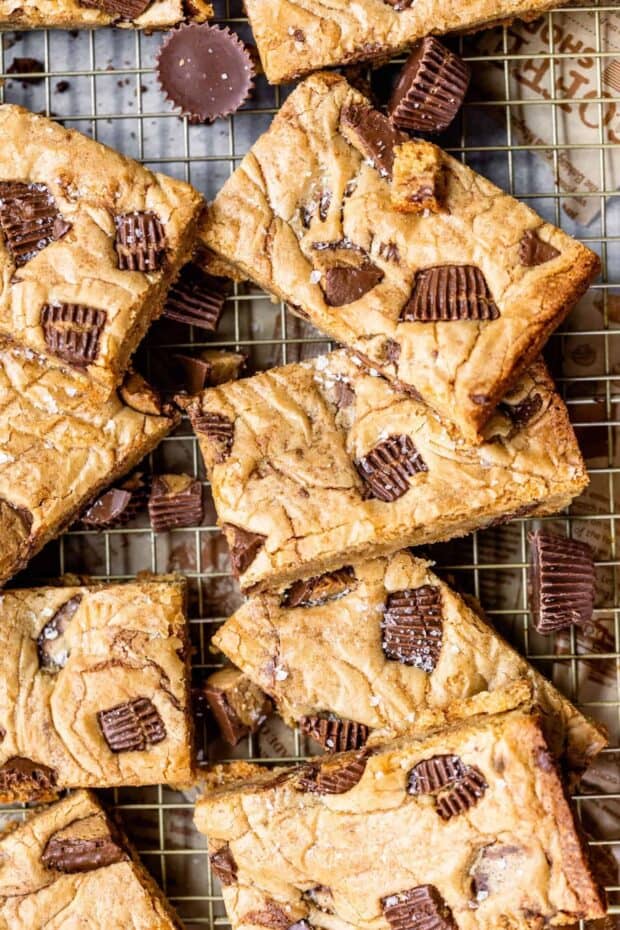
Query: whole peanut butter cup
pixel 430 89
pixel 205 71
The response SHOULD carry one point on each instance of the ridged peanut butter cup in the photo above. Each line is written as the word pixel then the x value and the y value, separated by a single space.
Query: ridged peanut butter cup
pixel 430 90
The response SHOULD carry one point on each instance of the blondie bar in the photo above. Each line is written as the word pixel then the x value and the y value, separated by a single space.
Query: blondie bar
pixel 368 650
pixel 294 37
pixel 76 14
pixel 465 828
pixel 453 304
pixel 320 464
pixel 70 866
pixel 94 688
pixel 60 445
pixel 90 242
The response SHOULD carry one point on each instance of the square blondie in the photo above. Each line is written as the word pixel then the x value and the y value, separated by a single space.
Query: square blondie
pixel 94 688
pixel 451 305
pixel 90 242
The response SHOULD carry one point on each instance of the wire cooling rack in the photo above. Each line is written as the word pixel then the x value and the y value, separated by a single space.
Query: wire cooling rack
pixel 103 84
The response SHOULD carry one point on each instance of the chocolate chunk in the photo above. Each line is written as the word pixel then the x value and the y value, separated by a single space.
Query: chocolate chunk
pixel 563 582
pixel 73 331
pixel 373 134
pixel 494 868
pixel 533 251
pixel 194 372
pixel 175 501
pixel 223 865
pixel 118 505
pixel 454 785
pixel 244 546
pixel 345 284
pixel 335 734
pixel 51 647
pixel 27 66
pixel 524 411
pixel 389 252
pixel 321 897
pixel 197 298
pixel 412 627
pixel 333 776
pixel 399 5
pixel 19 775
pixel 238 705
pixel 392 351
pixel 319 590
pixel 419 908
pixel 344 395
pixel 132 726
pixel 29 219
pixel 205 71
pixel 273 916
pixel 449 292
pixel 430 89
pixel 386 469
pixel 123 9
pixel 140 241
pixel 219 429
pixel 83 846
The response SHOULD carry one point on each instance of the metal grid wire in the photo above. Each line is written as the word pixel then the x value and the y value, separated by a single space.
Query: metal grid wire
pixel 103 84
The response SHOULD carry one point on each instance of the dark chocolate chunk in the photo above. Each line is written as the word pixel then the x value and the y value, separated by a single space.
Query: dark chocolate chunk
pixel 344 395
pixel 430 89
pixel 345 284
pixel 219 429
pixel 419 908
pixel 445 293
pixel 522 511
pixel 244 546
pixel 373 134
pixel 494 868
pixel 118 505
pixel 27 66
pixel 319 590
pixel 197 298
pixel 29 219
pixel 333 776
pixel 123 9
pixel 389 252
pixel 387 468
pixel 412 627
pixel 563 582
pixel 19 775
pixel 83 846
pixel 175 502
pixel 223 865
pixel 533 251
pixel 205 71
pixel 238 705
pixel 132 726
pixel 140 241
pixel 51 646
pixel 454 785
pixel 335 734
pixel 194 372
pixel 524 411
pixel 392 350
pixel 73 331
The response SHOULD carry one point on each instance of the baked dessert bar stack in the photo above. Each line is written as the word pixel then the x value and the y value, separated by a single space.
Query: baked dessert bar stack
pixel 94 688
pixel 317 465
pixel 378 648
pixel 468 827
pixel 451 305
pixel 89 14
pixel 70 865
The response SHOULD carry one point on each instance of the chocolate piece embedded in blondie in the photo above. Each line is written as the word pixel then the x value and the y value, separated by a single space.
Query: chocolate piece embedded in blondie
pixel 317 465
pixel 72 860
pixel 60 446
pixel 90 242
pixel 77 14
pixel 238 705
pixel 376 649
pixel 467 827
pixel 454 305
pixel 294 37
pixel 94 688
